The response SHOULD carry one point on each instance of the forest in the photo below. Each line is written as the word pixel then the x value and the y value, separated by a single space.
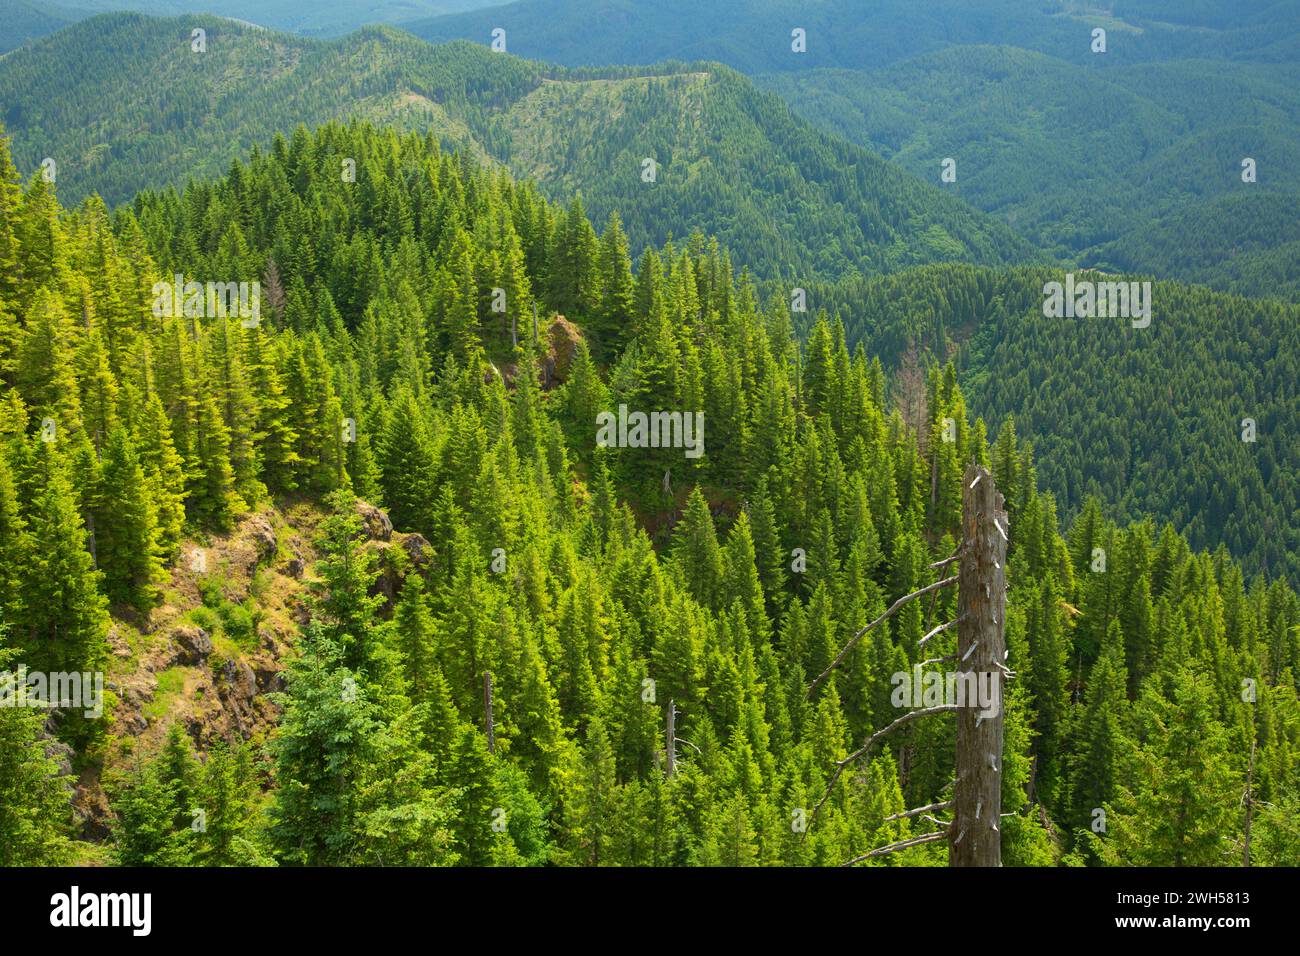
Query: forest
pixel 435 340
pixel 1127 159
pixel 726 158
pixel 1148 421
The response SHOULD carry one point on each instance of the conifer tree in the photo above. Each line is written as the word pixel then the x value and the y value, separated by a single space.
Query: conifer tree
pixel 127 541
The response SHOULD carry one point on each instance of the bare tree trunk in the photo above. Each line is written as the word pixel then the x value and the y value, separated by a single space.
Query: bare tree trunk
pixel 1250 801
pixel 670 741
pixel 488 725
pixel 975 838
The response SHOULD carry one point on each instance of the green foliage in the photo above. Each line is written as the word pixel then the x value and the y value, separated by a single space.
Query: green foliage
pixel 35 813
pixel 1166 403
pixel 731 159
pixel 597 585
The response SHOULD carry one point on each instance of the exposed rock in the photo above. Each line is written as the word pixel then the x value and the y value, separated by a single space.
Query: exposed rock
pixel 117 643
pixel 388 580
pixel 135 724
pixel 376 523
pixel 90 806
pixel 417 548
pixel 220 700
pixel 269 678
pixel 193 644
pixel 237 689
pixel 263 536
pixel 239 679
pixel 565 337
pixel 395 559
pixel 57 750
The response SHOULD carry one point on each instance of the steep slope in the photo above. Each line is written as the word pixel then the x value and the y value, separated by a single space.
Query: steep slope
pixel 124 103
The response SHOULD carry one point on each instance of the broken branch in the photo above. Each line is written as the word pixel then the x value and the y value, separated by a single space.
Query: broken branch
pixel 858 636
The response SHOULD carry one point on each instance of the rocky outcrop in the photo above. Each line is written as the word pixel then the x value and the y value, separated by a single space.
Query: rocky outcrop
pixel 418 550
pixel 193 645
pixel 259 530
pixel 564 339
pixel 374 521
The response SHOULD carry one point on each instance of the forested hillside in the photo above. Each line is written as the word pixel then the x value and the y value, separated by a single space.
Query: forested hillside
pixel 1148 177
pixel 1247 243
pixel 1149 421
pixel 23 20
pixel 594 584
pixel 123 102
pixel 1104 159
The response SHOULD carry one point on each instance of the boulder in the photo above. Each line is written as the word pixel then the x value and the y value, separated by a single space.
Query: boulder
pixel 377 525
pixel 239 680
pixel 259 530
pixel 565 337
pixel 193 644
pixel 418 549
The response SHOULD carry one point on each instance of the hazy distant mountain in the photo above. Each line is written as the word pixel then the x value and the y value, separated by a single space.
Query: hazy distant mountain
pixel 23 20
pixel 1083 153
pixel 755 35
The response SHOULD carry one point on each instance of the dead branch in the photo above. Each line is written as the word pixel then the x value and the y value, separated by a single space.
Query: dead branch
pixel 908 717
pixel 937 660
pixel 939 629
pixel 888 614
pixel 901 845
pixel 919 810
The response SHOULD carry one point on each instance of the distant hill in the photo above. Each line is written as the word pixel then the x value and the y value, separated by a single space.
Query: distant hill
pixel 1247 243
pixel 754 36
pixel 1089 156
pixel 23 20
pixel 1093 164
pixel 124 104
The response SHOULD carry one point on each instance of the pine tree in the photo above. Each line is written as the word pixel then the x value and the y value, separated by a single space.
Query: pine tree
pixel 1098 759
pixel 66 614
pixel 696 549
pixel 126 531
pixel 35 817
pixel 322 753
pixel 164 474
pixel 344 610
pixel 614 320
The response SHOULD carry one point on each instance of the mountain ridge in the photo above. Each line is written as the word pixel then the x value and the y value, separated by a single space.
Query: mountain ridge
pixel 790 198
